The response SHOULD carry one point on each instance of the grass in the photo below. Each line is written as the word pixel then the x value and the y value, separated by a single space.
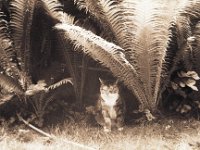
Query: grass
pixel 164 134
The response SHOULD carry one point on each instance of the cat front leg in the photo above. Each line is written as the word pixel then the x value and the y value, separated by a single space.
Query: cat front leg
pixel 107 126
pixel 120 123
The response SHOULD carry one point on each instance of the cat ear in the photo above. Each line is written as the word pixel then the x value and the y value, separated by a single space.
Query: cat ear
pixel 101 81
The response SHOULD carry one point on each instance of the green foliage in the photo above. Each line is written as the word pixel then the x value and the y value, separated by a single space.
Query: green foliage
pixel 183 84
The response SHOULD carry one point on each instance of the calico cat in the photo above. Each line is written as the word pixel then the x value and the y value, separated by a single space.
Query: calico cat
pixel 111 106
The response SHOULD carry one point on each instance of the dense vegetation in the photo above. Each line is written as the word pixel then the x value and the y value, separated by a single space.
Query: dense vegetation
pixel 149 45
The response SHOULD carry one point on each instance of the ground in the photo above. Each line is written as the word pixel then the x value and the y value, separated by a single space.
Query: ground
pixel 163 134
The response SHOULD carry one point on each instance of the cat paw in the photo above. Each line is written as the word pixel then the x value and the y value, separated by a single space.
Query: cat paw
pixel 106 130
pixel 120 129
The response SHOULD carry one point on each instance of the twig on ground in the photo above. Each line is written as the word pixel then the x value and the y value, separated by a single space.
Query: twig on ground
pixel 53 137
pixel 2 137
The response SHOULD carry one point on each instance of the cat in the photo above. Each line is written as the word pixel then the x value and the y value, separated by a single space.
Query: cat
pixel 111 106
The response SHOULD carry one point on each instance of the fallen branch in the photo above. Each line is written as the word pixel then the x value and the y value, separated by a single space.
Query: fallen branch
pixel 34 128
pixel 2 137
pixel 53 137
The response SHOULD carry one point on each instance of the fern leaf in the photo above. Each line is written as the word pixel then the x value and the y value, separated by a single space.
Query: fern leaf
pixel 141 28
pixel 7 52
pixel 53 9
pixel 21 22
pixel 117 16
pixel 90 6
pixel 63 17
pixel 96 12
pixel 10 84
pixel 196 46
pixel 60 83
pixel 112 15
pixel 196 56
pixel 106 53
pixel 71 62
pixel 191 10
pixel 171 50
pixel 150 22
pixel 171 60
pixel 183 30
pixel 8 55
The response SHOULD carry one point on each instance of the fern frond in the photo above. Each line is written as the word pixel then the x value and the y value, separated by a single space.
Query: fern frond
pixel 191 10
pixel 10 84
pixel 150 22
pixel 113 16
pixel 7 52
pixel 85 23
pixel 8 55
pixel 21 22
pixel 81 4
pixel 96 12
pixel 171 50
pixel 90 6
pixel 106 53
pixel 71 62
pixel 117 15
pixel 187 18
pixel 183 30
pixel 53 9
pixel 196 56
pixel 69 57
pixel 196 48
pixel 141 28
pixel 60 83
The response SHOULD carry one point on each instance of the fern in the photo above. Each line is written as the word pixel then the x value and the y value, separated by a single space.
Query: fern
pixel 7 52
pixel 95 11
pixel 151 42
pixel 142 29
pixel 40 103
pixel 21 23
pixel 196 46
pixel 6 48
pixel 71 60
pixel 191 10
pixel 117 16
pixel 111 15
pixel 91 7
pixel 106 53
pixel 60 83
pixel 53 9
pixel 10 84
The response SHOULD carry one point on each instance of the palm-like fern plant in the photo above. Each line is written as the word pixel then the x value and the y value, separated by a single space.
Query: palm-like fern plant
pixel 138 50
pixel 143 30
pixel 7 60
pixel 137 32
pixel 16 50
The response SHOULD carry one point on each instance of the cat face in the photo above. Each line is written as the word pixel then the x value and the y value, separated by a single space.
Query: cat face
pixel 109 92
